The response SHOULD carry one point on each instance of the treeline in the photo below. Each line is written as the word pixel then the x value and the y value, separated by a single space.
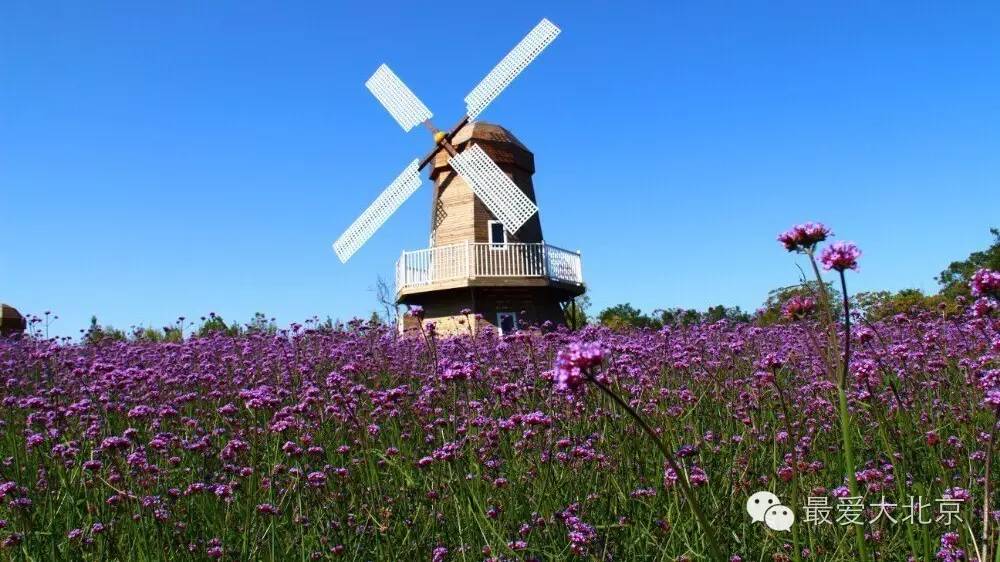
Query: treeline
pixel 953 294
pixel 208 325
pixel 952 297
pixel 627 316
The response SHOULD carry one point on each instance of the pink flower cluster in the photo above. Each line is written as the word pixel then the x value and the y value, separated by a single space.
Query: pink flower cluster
pixel 573 362
pixel 840 256
pixel 985 283
pixel 798 307
pixel 804 237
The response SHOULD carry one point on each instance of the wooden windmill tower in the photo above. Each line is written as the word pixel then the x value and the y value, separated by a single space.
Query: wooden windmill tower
pixel 487 254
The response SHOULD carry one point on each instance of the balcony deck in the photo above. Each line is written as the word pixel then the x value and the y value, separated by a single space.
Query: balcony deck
pixel 473 264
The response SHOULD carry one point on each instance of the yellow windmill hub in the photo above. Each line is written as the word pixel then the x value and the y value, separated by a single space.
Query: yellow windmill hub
pixel 438 136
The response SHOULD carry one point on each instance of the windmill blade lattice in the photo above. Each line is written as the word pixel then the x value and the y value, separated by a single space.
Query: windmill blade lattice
pixel 500 195
pixel 489 183
pixel 404 106
pixel 378 212
pixel 509 67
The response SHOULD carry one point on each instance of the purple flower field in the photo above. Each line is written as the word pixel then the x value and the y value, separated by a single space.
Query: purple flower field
pixel 312 444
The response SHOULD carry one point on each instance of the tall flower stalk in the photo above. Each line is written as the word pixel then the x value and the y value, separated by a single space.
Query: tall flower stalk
pixel 803 239
pixel 845 416
pixel 574 367
pixel 839 256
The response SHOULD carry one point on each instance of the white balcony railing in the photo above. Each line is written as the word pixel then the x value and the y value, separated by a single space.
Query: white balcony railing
pixel 470 260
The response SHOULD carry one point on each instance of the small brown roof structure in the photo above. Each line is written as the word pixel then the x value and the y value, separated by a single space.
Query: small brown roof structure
pixel 11 321
pixel 501 145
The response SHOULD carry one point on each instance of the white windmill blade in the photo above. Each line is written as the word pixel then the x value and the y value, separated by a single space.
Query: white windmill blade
pixel 397 98
pixel 497 191
pixel 509 67
pixel 378 212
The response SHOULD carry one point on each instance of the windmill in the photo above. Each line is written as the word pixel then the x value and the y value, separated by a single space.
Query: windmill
pixel 486 236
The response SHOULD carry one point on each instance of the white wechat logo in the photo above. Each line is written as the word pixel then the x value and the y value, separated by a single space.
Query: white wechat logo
pixel 765 506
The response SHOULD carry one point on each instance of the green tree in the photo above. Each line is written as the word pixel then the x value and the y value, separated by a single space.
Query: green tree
pixel 677 316
pixel 214 324
pixel 625 316
pixel 954 280
pixel 876 305
pixel 147 334
pixel 172 334
pixel 722 312
pixel 261 324
pixel 97 334
pixel 575 312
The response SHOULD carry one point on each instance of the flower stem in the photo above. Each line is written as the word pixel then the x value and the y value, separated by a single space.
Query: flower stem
pixel 713 546
pixel 847 332
pixel 845 416
pixel 825 302
pixel 986 496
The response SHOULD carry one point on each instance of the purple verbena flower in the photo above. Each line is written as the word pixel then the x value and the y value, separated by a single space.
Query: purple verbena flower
pixel 574 363
pixel 840 256
pixel 804 237
pixel 985 283
pixel 267 509
pixel 798 307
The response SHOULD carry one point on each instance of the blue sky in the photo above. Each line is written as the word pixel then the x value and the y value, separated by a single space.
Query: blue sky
pixel 178 158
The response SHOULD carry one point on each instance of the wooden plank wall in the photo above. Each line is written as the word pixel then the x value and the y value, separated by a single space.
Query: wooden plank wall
pixel 457 215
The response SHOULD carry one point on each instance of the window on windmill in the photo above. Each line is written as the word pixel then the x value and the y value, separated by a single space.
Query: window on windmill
pixel 498 236
pixel 506 323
